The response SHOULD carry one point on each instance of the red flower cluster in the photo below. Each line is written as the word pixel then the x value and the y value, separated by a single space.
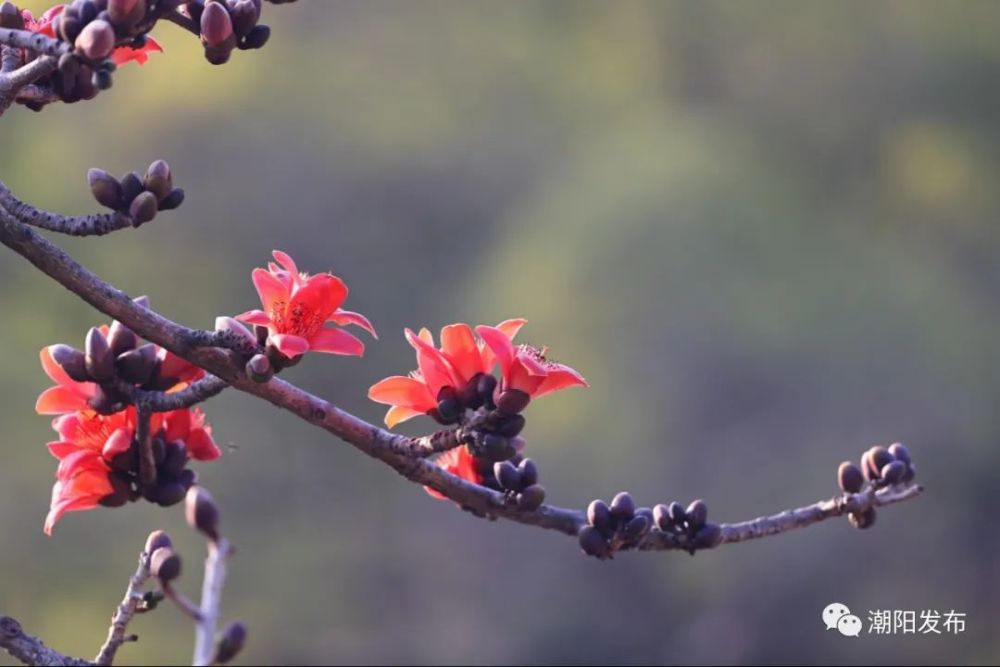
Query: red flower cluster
pixel 121 55
pixel 297 307
pixel 98 455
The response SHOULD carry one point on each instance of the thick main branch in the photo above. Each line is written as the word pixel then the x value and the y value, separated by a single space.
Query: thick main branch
pixel 399 452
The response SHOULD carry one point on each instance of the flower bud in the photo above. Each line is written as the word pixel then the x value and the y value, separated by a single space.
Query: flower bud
pixel 172 200
pixel 257 37
pixel 697 514
pixel 496 448
pixel 900 452
pixel 105 188
pixel 121 339
pixel 512 401
pixel 910 474
pixel 174 459
pixel 157 539
pixel 103 401
pixel 164 564
pixel 599 516
pixel 648 513
pixel 486 386
pixel 519 444
pixel 878 457
pixel 232 325
pixel 708 536
pixel 102 79
pixel 121 491
pixel 531 498
pixel 216 26
pixel 188 478
pixel 661 516
pixel 119 442
pixel 96 40
pixel 509 425
pixel 529 472
pixel 201 512
pixel 230 643
pixel 636 528
pixel 622 507
pixel 892 472
pixel 159 450
pixel 143 208
pixel 507 475
pixel 863 520
pixel 448 407
pixel 168 493
pixel 593 543
pixel 137 366
pixel 244 16
pixel 677 514
pixel 158 180
pixel 259 368
pixel 849 477
pixel 131 187
pixel 10 16
pixel 98 360
pixel 87 9
pixel 70 360
pixel 126 13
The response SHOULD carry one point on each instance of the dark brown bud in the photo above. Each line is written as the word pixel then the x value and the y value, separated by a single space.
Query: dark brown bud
pixel 126 13
pixel 448 406
pixel 10 16
pixel 70 360
pixel 636 527
pixel 105 187
pixel 216 26
pixel 120 338
pixel 486 385
pixel 622 507
pixel 158 180
pixel 599 516
pixel 168 493
pixel 98 359
pixel 529 472
pixel 531 498
pixel 519 444
pixel 102 79
pixel 677 514
pixel 708 536
pixel 661 516
pixel 863 520
pixel 893 472
pixel 257 37
pixel 131 187
pixel 507 475
pixel 910 474
pixel 143 208
pixel 188 478
pixel 497 448
pixel 172 200
pixel 122 490
pixel 165 565
pixel 157 539
pixel 259 368
pixel 96 40
pixel 593 543
pixel 201 512
pixel 159 446
pixel 137 366
pixel 174 459
pixel 231 642
pixel 878 457
pixel 104 401
pixel 868 468
pixel 900 452
pixel 849 477
pixel 509 425
pixel 68 65
pixel 512 401
pixel 244 16
pixel 697 514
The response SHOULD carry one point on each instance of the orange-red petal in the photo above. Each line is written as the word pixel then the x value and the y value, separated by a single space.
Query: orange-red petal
pixel 344 317
pixel 336 341
pixel 272 292
pixel 403 391
pixel 398 414
pixel 459 345
pixel 60 400
pixel 289 345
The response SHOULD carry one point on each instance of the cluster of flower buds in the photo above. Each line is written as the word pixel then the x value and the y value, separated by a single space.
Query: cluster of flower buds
pixel 880 467
pixel 621 525
pixel 140 197
pixel 226 25
pixel 519 481
pixel 164 562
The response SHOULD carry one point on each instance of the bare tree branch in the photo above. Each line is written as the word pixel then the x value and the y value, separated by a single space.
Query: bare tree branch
pixel 96 224
pixel 211 600
pixel 124 613
pixel 395 450
pixel 31 650
pixel 34 41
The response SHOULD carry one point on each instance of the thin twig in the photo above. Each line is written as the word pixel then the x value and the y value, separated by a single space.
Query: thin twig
pixel 96 224
pixel 160 401
pixel 211 600
pixel 366 437
pixel 124 613
pixel 34 41
pixel 31 650
pixel 147 462
pixel 29 73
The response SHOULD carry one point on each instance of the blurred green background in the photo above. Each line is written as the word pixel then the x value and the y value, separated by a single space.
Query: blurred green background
pixel 765 231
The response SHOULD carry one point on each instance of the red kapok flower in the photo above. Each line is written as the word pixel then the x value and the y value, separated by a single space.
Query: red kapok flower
pixel 524 368
pixel 458 462
pixel 67 395
pixel 461 358
pixel 121 55
pixel 297 306
pixel 98 458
